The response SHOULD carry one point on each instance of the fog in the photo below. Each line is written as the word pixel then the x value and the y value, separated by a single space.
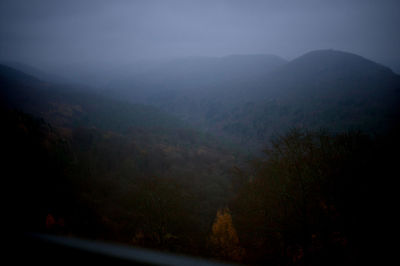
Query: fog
pixel 49 33
pixel 242 131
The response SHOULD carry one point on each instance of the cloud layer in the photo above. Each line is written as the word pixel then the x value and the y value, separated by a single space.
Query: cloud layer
pixel 49 31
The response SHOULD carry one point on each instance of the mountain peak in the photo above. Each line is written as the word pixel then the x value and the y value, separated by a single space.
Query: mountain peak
pixel 336 62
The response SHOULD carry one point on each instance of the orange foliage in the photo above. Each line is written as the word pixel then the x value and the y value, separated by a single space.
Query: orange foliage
pixel 224 240
pixel 50 221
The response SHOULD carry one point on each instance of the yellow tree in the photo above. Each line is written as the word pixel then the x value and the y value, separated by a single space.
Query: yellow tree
pixel 224 240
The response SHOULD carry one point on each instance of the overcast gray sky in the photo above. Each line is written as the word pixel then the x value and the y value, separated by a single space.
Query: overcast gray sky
pixel 37 31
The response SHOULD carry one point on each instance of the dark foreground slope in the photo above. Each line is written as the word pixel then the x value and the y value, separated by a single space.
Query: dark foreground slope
pixel 104 169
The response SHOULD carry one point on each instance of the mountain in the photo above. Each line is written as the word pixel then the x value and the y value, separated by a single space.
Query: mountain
pixel 334 89
pixel 67 106
pixel 210 70
pixel 242 98
pixel 329 72
pixel 321 89
pixel 33 71
pixel 18 88
pixel 10 76
pixel 250 98
pixel 197 76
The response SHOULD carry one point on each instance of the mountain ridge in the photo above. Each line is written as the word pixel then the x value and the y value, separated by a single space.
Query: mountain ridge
pixel 322 88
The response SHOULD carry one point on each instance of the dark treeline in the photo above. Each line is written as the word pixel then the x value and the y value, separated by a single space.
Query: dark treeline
pixel 317 199
pixel 313 197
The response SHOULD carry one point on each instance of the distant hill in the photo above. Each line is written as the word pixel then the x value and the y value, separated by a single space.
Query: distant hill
pixel 70 110
pixel 10 75
pixel 242 98
pixel 69 106
pixel 30 70
pixel 329 72
pixel 197 76
pixel 250 98
pixel 331 89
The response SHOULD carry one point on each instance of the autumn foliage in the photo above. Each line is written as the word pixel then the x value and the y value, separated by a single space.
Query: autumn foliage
pixel 224 240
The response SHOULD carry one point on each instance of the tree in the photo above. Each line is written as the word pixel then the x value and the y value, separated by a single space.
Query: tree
pixel 224 240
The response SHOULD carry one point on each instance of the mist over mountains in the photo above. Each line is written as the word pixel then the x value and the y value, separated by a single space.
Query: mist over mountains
pixel 248 98
pixel 159 154
pixel 242 98
pixel 246 132
pixel 252 95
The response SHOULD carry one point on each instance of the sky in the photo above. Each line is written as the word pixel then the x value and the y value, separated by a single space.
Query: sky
pixel 119 31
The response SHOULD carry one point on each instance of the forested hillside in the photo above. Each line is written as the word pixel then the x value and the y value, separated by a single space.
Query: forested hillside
pixel 246 159
pixel 109 170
